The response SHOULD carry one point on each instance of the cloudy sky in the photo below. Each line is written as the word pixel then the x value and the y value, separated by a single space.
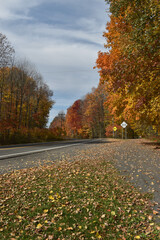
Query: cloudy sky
pixel 62 38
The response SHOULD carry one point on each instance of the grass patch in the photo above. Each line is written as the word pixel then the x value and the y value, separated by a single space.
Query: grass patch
pixel 73 200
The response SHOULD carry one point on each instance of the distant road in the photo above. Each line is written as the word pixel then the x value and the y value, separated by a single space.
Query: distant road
pixel 13 151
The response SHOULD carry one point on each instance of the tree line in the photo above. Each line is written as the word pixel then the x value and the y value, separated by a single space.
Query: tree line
pixel 129 88
pixel 25 100
pixel 86 118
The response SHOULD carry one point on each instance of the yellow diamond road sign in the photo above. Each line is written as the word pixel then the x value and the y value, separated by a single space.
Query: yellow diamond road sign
pixel 115 129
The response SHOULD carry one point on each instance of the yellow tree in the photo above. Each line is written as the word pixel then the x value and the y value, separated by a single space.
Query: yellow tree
pixel 130 67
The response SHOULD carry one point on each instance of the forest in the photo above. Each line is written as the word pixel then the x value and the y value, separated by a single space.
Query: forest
pixel 25 100
pixel 128 89
pixel 129 85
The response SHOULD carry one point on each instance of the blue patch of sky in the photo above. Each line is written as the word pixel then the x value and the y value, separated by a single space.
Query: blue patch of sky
pixel 65 17
pixel 52 13
pixel 63 14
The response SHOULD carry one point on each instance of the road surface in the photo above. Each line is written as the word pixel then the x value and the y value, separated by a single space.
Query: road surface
pixel 34 155
pixel 13 151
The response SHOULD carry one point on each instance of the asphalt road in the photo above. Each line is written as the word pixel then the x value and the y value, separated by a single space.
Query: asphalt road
pixel 7 152
pixel 34 155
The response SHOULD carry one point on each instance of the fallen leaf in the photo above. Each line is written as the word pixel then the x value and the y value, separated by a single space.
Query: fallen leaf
pixel 45 210
pixel 150 217
pixel 155 212
pixel 51 197
pixel 39 226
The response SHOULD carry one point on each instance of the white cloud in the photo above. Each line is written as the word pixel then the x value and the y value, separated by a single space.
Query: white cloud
pixel 16 9
pixel 64 55
pixel 57 49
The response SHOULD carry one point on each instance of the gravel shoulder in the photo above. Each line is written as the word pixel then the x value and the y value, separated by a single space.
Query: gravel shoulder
pixel 139 161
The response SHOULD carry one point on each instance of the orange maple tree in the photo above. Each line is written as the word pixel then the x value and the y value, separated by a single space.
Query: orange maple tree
pixel 74 119
pixel 129 69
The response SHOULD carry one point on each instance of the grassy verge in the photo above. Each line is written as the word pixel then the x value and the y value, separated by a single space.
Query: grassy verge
pixel 78 200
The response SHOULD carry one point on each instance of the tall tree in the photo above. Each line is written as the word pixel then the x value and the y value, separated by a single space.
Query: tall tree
pixel 6 51
pixel 74 118
pixel 57 126
pixel 94 114
pixel 130 67
pixel 6 56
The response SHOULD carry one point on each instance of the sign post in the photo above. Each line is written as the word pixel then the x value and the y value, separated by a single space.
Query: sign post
pixel 114 130
pixel 124 125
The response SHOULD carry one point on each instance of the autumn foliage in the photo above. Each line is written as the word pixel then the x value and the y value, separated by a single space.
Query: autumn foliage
pixel 129 87
pixel 74 118
pixel 25 100
pixel 129 75
pixel 129 69
pixel 57 126
pixel 86 117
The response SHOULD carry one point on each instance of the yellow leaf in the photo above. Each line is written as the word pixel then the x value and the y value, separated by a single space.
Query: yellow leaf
pixel 45 210
pixel 51 197
pixel 137 237
pixel 58 196
pixel 39 226
pixel 151 224
pixel 98 236
pixel 113 213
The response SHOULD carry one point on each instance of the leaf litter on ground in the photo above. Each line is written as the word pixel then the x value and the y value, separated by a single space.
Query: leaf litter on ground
pixel 81 199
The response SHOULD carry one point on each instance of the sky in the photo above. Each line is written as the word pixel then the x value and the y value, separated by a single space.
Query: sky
pixel 62 39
